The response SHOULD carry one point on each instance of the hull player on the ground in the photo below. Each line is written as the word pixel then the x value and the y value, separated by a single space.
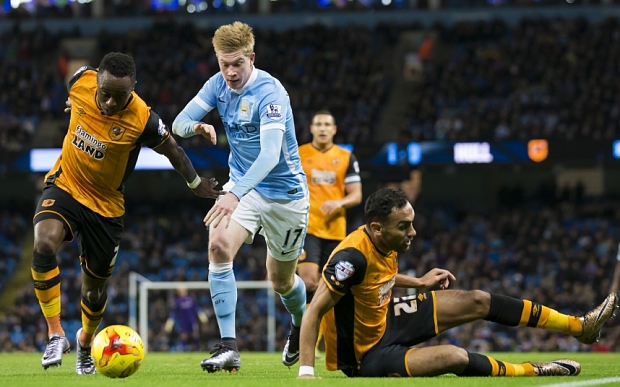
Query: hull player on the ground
pixel 267 190
pixel 371 334
pixel 83 195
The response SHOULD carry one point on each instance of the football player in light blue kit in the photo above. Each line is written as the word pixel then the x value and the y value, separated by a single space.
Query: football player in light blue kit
pixel 267 188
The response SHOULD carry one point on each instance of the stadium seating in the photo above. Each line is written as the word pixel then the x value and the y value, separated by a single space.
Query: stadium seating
pixel 13 228
pixel 492 82
pixel 543 78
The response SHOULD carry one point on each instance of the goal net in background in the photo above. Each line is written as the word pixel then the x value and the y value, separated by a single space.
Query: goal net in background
pixel 261 318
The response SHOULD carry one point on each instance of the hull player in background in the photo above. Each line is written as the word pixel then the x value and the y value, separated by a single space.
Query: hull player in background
pixel 267 190
pixel 83 195
pixel 373 335
pixel 335 185
pixel 185 315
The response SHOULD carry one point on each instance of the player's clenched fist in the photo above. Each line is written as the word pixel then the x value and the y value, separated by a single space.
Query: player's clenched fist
pixel 206 130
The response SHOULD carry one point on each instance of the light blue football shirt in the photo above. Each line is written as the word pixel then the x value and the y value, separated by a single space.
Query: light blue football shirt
pixel 262 104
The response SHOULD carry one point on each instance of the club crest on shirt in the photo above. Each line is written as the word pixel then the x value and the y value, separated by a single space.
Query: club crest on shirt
pixel 344 270
pixel 245 109
pixel 116 132
pixel 274 111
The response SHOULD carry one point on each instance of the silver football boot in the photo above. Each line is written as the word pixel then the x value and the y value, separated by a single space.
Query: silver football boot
pixel 560 367
pixel 224 358
pixel 290 355
pixel 84 364
pixel 56 346
pixel 594 319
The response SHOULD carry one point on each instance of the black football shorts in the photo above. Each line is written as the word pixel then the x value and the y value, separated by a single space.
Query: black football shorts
pixel 98 237
pixel 411 321
pixel 317 251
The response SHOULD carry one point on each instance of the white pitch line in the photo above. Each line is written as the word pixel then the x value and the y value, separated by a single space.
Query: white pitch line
pixel 592 382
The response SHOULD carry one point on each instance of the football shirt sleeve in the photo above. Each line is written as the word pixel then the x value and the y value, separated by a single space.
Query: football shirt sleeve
pixel 77 75
pixel 344 269
pixel 274 108
pixel 155 132
pixel 195 110
pixel 353 171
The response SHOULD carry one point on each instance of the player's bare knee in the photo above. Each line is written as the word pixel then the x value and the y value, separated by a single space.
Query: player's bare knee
pixel 481 301
pixel 219 251
pixel 46 244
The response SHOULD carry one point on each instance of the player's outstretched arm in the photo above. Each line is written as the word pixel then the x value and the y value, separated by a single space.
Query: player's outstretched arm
pixel 430 279
pixel 324 299
pixel 201 186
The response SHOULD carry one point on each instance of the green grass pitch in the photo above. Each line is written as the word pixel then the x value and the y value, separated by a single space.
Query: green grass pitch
pixel 266 370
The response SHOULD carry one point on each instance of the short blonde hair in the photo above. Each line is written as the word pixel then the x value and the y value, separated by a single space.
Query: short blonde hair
pixel 234 37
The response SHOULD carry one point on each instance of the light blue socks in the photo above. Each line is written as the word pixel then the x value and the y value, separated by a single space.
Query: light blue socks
pixel 224 297
pixel 295 300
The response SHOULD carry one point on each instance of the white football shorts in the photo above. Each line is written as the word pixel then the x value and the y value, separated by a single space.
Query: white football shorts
pixel 283 223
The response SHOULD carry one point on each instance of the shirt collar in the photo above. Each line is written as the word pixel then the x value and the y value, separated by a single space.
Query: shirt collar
pixel 249 83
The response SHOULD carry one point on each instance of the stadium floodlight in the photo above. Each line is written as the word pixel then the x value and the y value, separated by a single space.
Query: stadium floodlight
pixel 139 287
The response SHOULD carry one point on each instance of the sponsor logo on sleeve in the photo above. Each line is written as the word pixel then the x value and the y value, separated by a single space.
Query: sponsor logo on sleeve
pixel 274 111
pixel 344 270
pixel 81 69
pixel 162 130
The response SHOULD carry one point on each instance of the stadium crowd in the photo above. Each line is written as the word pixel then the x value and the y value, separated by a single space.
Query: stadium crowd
pixel 543 78
pixel 549 78
pixel 31 88
pixel 339 67
pixel 558 251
